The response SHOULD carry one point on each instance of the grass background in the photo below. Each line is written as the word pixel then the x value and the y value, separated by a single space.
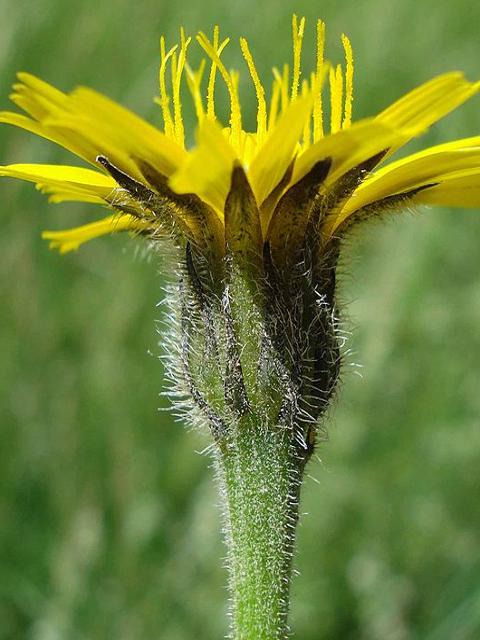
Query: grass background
pixel 108 518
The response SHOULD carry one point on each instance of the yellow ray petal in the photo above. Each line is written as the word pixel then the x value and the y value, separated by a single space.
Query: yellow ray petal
pixel 72 143
pixel 64 178
pixel 71 239
pixel 103 138
pixel 57 195
pixel 429 102
pixel 86 138
pixel 36 106
pixel 348 148
pixel 411 173
pixel 38 98
pixel 88 122
pixel 459 189
pixel 272 160
pixel 42 101
pixel 59 173
pixel 461 143
pixel 208 169
pixel 134 134
pixel 43 89
pixel 440 164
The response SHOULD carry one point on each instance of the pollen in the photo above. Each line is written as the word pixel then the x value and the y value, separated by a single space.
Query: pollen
pixel 289 84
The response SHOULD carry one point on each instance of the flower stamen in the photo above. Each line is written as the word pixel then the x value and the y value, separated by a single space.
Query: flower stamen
pixel 213 72
pixel 164 100
pixel 347 47
pixel 194 81
pixel 307 129
pixel 298 31
pixel 259 90
pixel 318 106
pixel 235 111
pixel 336 98
pixel 274 100
pixel 177 72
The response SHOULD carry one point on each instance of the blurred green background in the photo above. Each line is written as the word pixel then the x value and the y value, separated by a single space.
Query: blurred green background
pixel 108 519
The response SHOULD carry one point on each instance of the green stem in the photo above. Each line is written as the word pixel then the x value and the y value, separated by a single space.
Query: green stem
pixel 260 364
pixel 260 476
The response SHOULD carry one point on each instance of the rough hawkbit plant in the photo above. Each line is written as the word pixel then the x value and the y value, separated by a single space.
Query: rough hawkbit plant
pixel 256 221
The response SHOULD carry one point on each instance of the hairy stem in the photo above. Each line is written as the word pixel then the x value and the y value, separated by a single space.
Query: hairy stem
pixel 260 477
pixel 259 361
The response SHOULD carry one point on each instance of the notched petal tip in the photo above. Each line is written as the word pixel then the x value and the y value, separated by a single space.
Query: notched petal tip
pixel 426 104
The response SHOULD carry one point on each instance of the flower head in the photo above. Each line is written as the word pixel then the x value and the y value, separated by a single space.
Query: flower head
pixel 153 184
pixel 259 215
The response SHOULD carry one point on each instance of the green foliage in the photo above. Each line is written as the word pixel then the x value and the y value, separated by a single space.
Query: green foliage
pixel 109 524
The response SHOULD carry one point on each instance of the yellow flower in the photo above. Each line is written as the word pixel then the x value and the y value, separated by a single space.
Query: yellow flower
pixel 285 169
